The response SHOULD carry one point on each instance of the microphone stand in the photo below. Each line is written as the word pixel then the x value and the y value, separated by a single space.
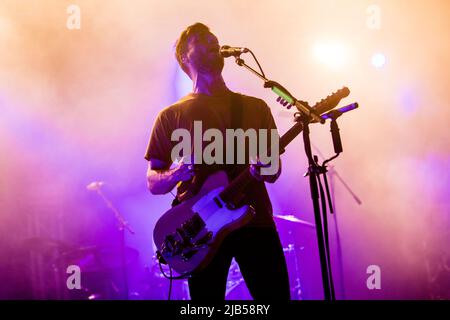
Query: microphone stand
pixel 122 225
pixel 314 170
pixel 333 173
pixel 282 92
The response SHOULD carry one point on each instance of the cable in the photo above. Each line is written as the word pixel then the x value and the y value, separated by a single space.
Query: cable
pixel 170 284
pixel 171 278
pixel 181 276
pixel 259 66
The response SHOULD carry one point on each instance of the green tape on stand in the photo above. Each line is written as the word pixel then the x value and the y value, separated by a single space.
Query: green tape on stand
pixel 283 95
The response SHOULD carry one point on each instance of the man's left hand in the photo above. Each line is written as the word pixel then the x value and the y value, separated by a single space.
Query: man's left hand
pixel 255 170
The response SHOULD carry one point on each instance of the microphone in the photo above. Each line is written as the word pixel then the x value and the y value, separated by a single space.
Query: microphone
pixel 95 185
pixel 227 51
pixel 336 113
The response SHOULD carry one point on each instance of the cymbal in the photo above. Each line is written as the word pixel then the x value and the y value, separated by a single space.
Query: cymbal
pixel 292 218
pixel 96 259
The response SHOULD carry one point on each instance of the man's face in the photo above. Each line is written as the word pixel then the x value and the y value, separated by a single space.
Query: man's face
pixel 203 54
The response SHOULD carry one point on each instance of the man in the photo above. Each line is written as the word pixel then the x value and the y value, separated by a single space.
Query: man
pixel 256 246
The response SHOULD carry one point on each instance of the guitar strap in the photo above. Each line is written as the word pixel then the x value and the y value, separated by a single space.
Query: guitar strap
pixel 236 123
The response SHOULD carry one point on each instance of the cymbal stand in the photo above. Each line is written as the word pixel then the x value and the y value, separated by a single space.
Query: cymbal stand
pixel 122 225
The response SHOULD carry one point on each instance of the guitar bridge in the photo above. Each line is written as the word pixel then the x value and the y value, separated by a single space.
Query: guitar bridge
pixel 203 240
pixel 193 226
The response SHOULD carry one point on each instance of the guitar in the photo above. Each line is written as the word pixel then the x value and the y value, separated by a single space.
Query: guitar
pixel 188 235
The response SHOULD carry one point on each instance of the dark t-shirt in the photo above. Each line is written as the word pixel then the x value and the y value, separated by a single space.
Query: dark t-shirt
pixel 214 112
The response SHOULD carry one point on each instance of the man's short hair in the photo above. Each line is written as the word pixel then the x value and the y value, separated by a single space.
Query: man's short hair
pixel 181 44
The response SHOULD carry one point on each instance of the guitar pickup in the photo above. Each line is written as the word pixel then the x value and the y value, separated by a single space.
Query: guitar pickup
pixel 193 226
pixel 217 201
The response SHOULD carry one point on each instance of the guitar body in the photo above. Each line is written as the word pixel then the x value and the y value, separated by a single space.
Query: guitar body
pixel 188 235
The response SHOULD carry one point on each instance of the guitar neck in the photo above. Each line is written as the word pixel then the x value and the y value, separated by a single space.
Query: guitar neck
pixel 238 184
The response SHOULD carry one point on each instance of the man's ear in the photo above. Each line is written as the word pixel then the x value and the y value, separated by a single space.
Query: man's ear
pixel 185 66
pixel 184 62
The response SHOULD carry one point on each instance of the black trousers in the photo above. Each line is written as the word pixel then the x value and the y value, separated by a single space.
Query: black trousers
pixel 260 257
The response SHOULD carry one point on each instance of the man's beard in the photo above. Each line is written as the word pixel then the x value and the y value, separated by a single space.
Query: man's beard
pixel 209 64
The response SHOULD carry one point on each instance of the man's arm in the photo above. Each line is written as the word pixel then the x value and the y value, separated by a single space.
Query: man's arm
pixel 161 180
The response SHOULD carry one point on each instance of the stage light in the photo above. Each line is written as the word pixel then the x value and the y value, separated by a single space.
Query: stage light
pixel 331 54
pixel 378 60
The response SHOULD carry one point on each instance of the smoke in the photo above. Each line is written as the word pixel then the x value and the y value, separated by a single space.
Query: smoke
pixel 78 106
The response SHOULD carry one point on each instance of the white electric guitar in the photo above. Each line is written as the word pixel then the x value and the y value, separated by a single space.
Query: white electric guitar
pixel 189 234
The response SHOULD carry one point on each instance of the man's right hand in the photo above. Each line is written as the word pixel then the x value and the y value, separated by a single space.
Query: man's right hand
pixel 161 180
pixel 183 172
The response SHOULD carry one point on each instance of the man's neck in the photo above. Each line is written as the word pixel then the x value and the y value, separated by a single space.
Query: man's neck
pixel 209 85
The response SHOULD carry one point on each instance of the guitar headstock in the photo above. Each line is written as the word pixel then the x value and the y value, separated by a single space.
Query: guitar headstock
pixel 331 101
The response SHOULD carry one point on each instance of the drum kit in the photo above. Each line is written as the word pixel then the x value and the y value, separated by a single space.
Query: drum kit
pixel 100 267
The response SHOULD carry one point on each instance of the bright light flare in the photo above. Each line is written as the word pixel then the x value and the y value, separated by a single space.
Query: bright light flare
pixel 331 54
pixel 378 60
